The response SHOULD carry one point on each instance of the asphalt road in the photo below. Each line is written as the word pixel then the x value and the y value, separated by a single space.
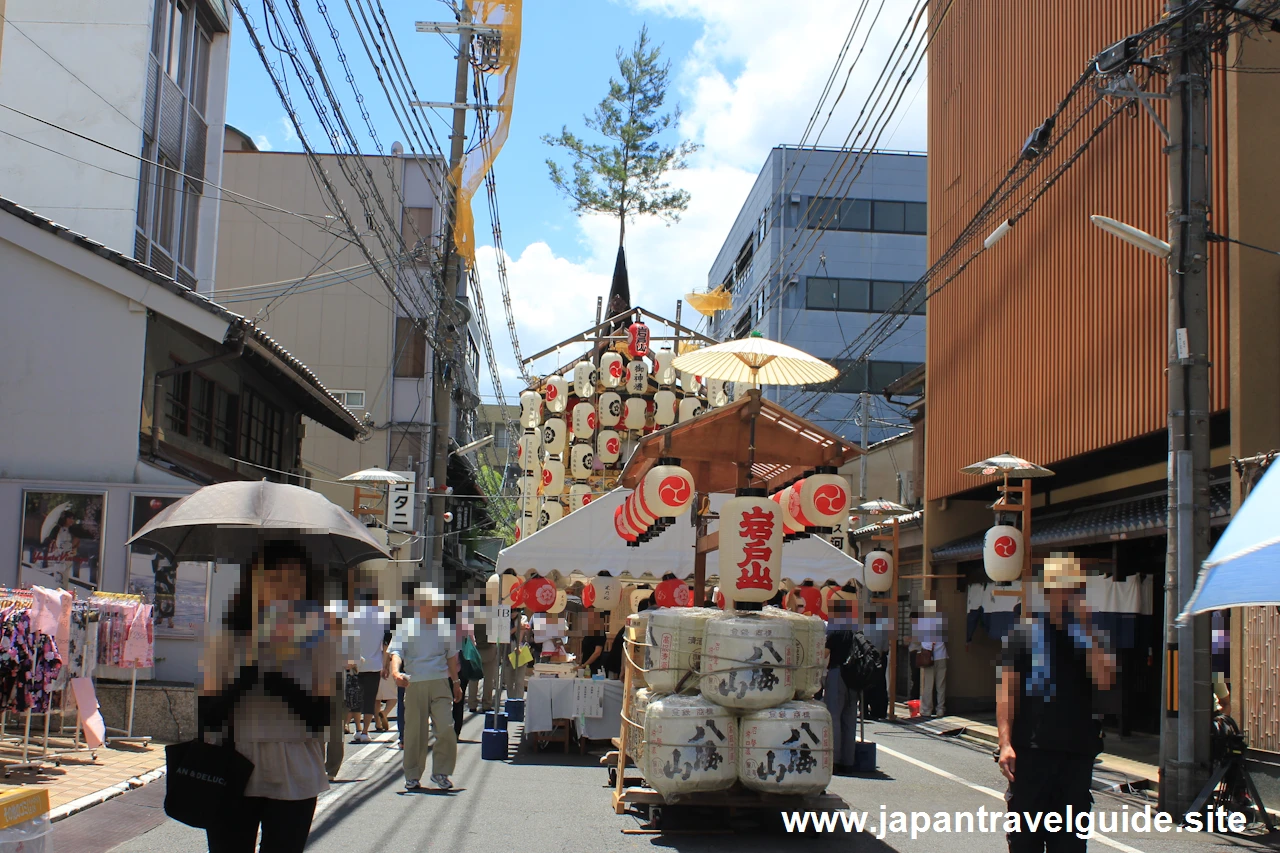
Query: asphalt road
pixel 550 803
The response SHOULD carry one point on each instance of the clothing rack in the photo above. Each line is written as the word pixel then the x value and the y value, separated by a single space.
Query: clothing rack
pixel 126 734
pixel 17 598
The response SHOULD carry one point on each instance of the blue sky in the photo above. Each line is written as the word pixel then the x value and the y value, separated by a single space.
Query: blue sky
pixel 747 78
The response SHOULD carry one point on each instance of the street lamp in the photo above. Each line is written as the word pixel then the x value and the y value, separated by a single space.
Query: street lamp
pixel 1132 236
pixel 474 445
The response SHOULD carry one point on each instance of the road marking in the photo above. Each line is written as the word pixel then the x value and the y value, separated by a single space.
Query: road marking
pixel 373 754
pixel 938 771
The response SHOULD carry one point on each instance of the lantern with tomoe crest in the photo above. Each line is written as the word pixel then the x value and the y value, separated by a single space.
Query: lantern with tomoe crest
pixel 557 394
pixel 579 496
pixel 552 478
pixel 664 408
pixel 821 500
pixel 530 409
pixel 1002 555
pixel 634 412
pixel 608 446
pixel 584 379
pixel 877 571
pixel 663 372
pixel 612 371
pixel 666 490
pixel 584 420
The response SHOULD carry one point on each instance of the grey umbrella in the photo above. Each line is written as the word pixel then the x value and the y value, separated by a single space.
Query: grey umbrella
pixel 227 521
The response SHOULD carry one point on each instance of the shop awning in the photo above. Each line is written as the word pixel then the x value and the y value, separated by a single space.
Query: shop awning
pixel 584 543
pixel 1135 518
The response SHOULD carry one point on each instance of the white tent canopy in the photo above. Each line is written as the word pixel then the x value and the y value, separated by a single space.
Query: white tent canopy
pixel 584 543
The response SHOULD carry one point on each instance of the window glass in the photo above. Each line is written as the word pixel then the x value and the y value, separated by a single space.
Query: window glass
pixel 201 428
pixel 917 219
pixel 823 213
pixel 855 215
pixel 411 349
pixel 822 293
pixel 174 64
pixel 146 180
pixel 190 219
pixel 160 28
pixel 355 399
pixel 177 399
pixel 224 421
pixel 882 373
pixel 855 294
pixel 885 295
pixel 889 215
pixel 200 71
pixel 167 209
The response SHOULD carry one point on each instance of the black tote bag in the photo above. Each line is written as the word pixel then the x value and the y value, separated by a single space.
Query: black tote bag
pixel 203 781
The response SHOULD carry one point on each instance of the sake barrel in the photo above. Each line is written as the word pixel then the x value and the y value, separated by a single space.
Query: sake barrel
pixel 787 749
pixel 637 626
pixel 748 661
pixel 673 645
pixel 635 729
pixel 690 745
pixel 811 649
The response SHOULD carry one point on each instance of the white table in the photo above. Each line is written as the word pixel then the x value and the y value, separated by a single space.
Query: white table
pixel 550 699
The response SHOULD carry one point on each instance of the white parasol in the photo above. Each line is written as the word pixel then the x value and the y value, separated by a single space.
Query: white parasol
pixel 373 475
pixel 757 360
pixel 51 520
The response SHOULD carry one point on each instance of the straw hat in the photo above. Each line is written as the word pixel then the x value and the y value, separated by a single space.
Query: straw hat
pixel 1063 571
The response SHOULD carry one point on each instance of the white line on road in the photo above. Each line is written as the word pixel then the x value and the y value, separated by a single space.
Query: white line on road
pixel 375 754
pixel 938 771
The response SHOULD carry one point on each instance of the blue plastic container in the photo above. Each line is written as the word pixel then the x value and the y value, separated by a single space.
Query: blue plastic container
pixel 864 757
pixel 493 745
pixel 515 710
pixel 495 720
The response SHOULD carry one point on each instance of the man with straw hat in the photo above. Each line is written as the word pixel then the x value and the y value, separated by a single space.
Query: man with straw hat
pixel 1049 739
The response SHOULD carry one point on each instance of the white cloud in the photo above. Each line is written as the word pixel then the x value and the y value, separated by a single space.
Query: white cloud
pixel 262 142
pixel 750 83
pixel 290 135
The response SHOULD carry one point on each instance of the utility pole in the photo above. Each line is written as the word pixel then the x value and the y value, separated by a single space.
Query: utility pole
pixel 1184 735
pixel 448 320
pixel 865 407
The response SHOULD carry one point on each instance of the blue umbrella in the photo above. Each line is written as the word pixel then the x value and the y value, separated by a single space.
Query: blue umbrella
pixel 1244 568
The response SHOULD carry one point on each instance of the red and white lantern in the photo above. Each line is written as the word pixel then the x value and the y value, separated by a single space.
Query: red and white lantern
pixel 750 546
pixel 622 525
pixel 517 588
pixel 554 435
pixel 584 420
pixel 664 408
pixel 820 500
pixel 584 379
pixel 579 496
pixel 609 412
pixel 663 372
pixel 637 377
pixel 530 409
pixel 673 593
pixel 1002 555
pixel 557 394
pixel 877 571
pixel 581 458
pixel 608 446
pixel 666 490
pixel 612 371
pixel 602 593
pixel 638 340
pixel 552 478
pixel 552 511
pixel 639 517
pixel 539 595
pixel 813 601
pixel 790 525
pixel 633 413
pixel 716 396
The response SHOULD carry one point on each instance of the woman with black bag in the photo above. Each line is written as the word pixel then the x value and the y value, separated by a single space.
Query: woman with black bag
pixel 268 681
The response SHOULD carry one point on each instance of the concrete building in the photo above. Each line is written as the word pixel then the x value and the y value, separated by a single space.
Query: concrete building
pixel 303 281
pixel 147 78
pixel 824 244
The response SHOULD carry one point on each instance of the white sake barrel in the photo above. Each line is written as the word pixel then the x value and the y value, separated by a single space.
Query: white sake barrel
pixel 811 649
pixel 787 749
pixel 673 645
pixel 748 661
pixel 635 733
pixel 690 745
pixel 637 626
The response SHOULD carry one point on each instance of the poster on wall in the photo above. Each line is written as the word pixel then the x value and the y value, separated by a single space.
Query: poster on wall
pixel 61 539
pixel 179 593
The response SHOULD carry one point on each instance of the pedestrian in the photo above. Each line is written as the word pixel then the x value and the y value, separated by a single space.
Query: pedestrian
pixel 518 673
pixel 840 700
pixel 269 675
pixel 462 633
pixel 488 662
pixel 1044 709
pixel 424 661
pixel 932 661
pixel 366 627
pixel 594 641
pixel 386 689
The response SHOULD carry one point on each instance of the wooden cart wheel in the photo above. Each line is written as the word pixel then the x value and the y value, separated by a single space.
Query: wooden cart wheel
pixel 613 776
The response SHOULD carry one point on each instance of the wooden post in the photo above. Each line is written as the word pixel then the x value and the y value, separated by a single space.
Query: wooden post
pixel 1026 538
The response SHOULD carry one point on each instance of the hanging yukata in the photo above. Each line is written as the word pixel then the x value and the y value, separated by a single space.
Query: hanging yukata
pixel 29 664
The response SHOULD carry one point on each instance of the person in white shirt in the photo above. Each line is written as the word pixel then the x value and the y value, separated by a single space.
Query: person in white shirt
pixel 424 661
pixel 366 626
pixel 932 637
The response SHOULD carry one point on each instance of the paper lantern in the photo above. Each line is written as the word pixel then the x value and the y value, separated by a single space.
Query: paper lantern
pixel 584 420
pixel 611 370
pixel 608 446
pixel 554 433
pixel 820 500
pixel 877 571
pixel 1002 553
pixel 690 408
pixel 552 511
pixel 532 466
pixel 581 458
pixel 622 525
pixel 530 409
pixel 527 485
pixel 716 396
pixel 527 449
pixel 552 478
pixel 666 490
pixel 641 518
pixel 664 408
pixel 718 598
pixel 517 593
pixel 663 372
pixel 638 340
pixel 750 546
pixel 790 525
pixel 562 599
pixel 539 595
pixel 689 384
pixel 584 379
pixel 813 600
pixel 673 593
pixel 557 394
pixel 637 377
pixel 579 496
pixel 740 389
pixel 633 416
pixel 609 411
pixel 604 593
pixel 498 588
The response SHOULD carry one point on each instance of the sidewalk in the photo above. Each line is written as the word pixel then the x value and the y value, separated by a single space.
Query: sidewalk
pixel 82 779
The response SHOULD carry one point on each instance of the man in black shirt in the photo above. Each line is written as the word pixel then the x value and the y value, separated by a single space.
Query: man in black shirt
pixel 1044 712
